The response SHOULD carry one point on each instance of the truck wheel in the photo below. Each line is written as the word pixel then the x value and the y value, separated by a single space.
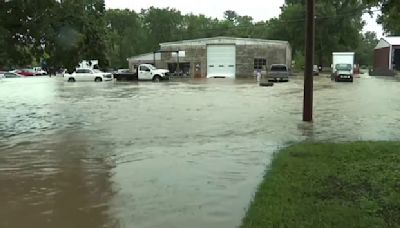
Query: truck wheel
pixel 98 79
pixel 156 78
pixel 71 79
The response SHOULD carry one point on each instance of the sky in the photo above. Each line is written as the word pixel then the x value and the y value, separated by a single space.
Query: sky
pixel 259 10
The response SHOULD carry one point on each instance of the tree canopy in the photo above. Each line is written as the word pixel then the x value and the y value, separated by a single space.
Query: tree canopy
pixel 60 33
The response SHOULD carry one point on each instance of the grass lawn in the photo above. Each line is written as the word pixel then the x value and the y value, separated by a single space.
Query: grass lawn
pixel 330 185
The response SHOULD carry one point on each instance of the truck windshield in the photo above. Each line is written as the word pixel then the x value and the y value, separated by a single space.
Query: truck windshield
pixel 151 67
pixel 343 66
pixel 278 68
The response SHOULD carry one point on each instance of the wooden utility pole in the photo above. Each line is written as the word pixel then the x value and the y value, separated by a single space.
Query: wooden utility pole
pixel 308 71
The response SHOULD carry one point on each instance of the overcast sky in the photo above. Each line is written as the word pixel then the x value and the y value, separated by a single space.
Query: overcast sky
pixel 259 10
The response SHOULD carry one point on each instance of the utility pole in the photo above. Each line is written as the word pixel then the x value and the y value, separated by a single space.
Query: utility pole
pixel 308 71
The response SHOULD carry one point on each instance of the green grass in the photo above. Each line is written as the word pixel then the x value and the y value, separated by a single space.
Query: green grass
pixel 330 185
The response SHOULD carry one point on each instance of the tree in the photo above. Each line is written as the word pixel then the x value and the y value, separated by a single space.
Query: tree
pixel 231 16
pixel 126 36
pixel 23 30
pixel 198 26
pixel 338 26
pixel 79 33
pixel 163 24
pixel 64 32
pixel 390 18
pixel 365 49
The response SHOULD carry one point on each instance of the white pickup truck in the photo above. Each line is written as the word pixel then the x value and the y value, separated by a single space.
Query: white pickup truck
pixel 143 72
pixel 91 75
pixel 39 71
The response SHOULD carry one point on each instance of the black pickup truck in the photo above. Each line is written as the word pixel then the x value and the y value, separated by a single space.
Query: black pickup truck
pixel 125 75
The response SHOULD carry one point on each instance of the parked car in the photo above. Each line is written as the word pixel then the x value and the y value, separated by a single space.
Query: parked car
pixel 2 74
pixel 26 72
pixel 91 75
pixel 278 72
pixel 12 75
pixel 39 71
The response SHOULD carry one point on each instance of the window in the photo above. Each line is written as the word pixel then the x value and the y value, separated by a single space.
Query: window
pixel 181 54
pixel 83 71
pixel 144 68
pixel 259 63
pixel 344 67
pixel 278 68
pixel 184 69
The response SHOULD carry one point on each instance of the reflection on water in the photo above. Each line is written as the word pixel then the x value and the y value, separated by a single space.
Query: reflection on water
pixel 177 154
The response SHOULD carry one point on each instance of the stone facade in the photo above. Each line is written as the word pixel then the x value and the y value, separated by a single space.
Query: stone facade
pixel 245 55
pixel 193 55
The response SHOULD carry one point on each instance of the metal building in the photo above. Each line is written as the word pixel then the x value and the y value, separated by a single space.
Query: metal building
pixel 387 55
pixel 218 57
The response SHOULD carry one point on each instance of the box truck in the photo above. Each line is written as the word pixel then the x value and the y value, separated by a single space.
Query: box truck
pixel 343 66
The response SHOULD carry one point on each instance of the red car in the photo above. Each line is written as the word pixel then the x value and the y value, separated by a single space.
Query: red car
pixel 26 72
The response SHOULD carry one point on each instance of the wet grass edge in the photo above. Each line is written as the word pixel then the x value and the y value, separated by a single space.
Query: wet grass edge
pixel 353 184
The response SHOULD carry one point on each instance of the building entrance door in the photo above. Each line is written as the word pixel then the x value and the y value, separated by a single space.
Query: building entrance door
pixel 197 70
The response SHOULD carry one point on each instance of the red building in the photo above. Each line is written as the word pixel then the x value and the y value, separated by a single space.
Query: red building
pixel 387 55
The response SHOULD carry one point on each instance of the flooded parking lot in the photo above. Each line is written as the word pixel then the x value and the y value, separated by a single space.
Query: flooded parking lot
pixel 175 154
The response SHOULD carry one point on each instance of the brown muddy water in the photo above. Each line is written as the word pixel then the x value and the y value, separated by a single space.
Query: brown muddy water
pixel 174 154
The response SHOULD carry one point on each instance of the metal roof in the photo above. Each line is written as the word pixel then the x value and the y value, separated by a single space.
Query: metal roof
pixel 393 40
pixel 388 41
pixel 224 39
pixel 146 57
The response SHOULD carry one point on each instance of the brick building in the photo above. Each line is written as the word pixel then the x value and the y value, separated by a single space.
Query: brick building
pixel 387 55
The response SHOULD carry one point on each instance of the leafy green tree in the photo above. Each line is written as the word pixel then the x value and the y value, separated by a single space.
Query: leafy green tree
pixel 163 24
pixel 198 26
pixel 23 30
pixel 338 26
pixel 64 32
pixel 127 36
pixel 389 16
pixel 365 49
pixel 231 16
pixel 79 33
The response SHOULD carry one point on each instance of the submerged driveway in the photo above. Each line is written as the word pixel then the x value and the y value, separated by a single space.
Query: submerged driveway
pixel 176 154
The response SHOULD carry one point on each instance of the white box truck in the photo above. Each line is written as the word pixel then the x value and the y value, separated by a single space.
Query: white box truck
pixel 343 66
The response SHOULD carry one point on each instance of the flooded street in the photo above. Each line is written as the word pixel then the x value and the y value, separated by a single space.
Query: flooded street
pixel 175 154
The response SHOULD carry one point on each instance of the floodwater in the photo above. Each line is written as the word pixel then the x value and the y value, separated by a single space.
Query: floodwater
pixel 175 154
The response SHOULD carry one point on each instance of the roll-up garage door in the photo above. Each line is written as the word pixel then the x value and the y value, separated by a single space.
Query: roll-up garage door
pixel 221 61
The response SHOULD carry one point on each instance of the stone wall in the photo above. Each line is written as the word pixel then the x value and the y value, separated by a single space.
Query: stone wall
pixel 245 55
pixel 193 55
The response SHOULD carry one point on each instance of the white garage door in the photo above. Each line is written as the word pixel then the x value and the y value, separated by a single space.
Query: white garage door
pixel 221 61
